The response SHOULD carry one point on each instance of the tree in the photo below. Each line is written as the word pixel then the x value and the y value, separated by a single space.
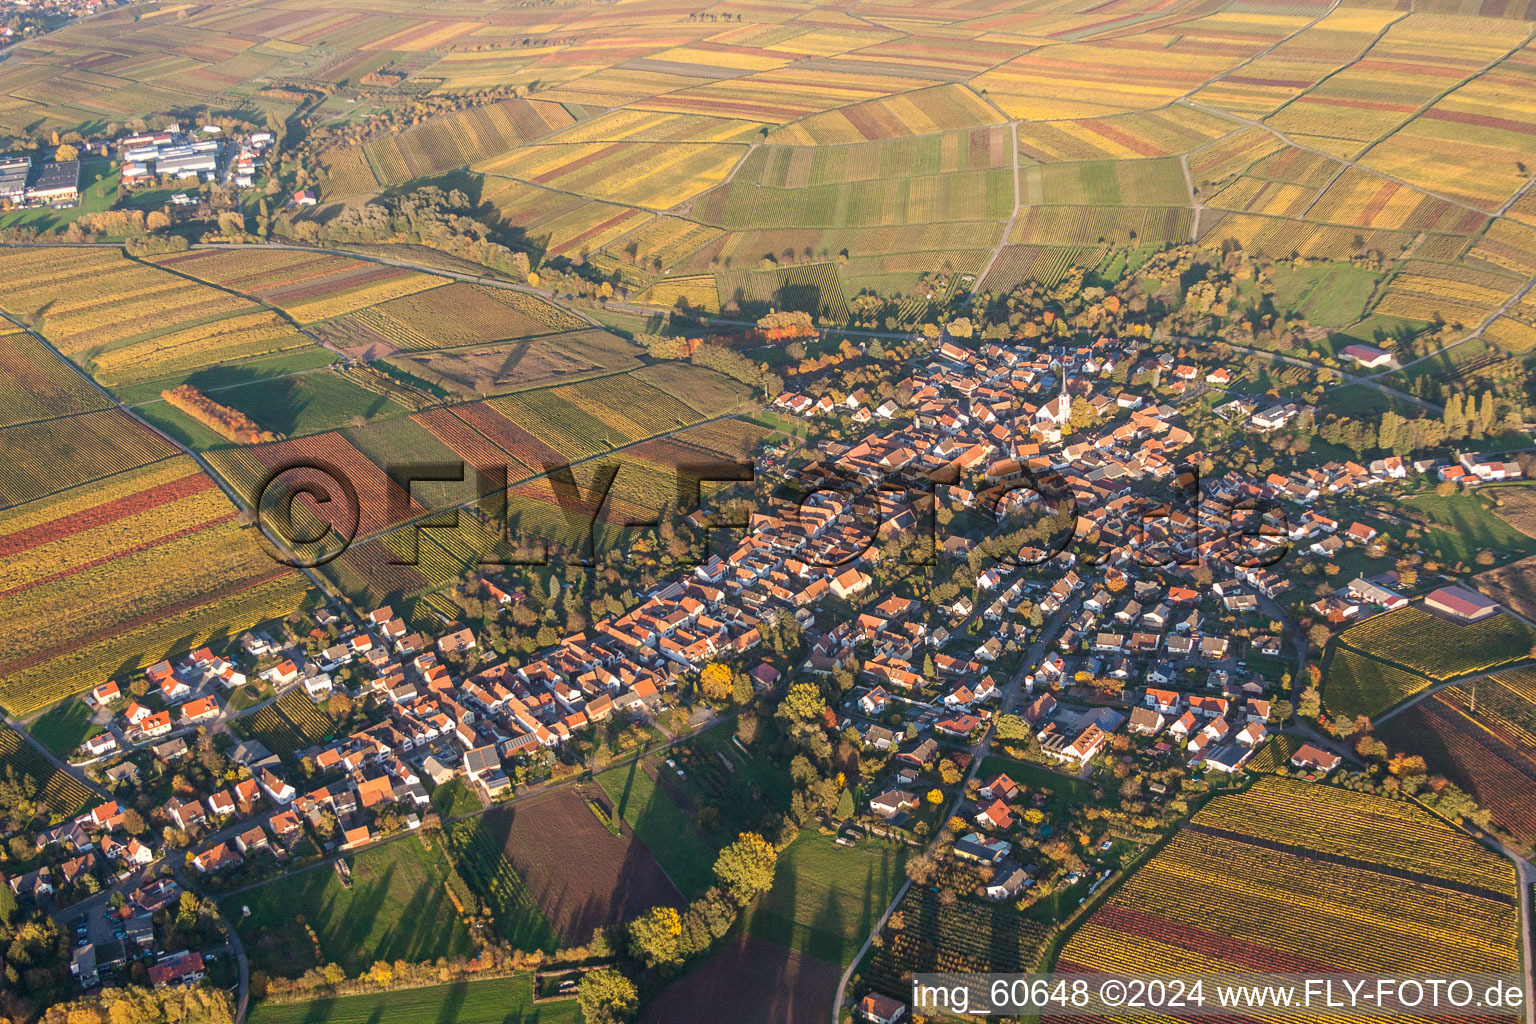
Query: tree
pixel 844 806
pixel 606 997
pixel 948 773
pixel 745 868
pixel 655 937
pixel 716 682
pixel 133 822
pixel 935 797
pixel 157 220
pixel 66 153
pixel 802 703
pixel 231 223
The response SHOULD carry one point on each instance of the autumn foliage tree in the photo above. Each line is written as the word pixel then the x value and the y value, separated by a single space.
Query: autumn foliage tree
pixel 716 682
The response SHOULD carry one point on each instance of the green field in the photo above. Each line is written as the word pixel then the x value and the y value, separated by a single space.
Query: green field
pixel 1327 294
pixel 396 909
pixel 213 379
pixel 826 898
pixel 1465 525
pixel 180 427
pixel 306 404
pixel 498 1001
pixel 671 836
pixel 1112 183
pixel 65 727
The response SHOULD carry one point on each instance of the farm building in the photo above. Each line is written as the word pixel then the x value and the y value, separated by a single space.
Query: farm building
pixel 1460 603
pixel 56 183
pixel 1368 356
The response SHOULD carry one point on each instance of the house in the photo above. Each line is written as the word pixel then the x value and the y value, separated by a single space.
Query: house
pixel 277 789
pixel 874 702
pixel 201 710
pixel 1146 722
pixel 107 692
pixel 1000 788
pixel 1008 880
pixel 879 1009
pixel 185 813
pixel 1252 734
pixel 173 689
pixel 101 744
pixel 892 803
pixel 251 840
pixel 1312 758
pixel 177 969
pixel 959 727
pixel 221 803
pixel 1181 729
pixel 317 685
pixel 975 846
pixel 921 754
pixel 216 858
pixel 1229 759
pixel 482 765
pixel 995 816
pixel 157 724
pixel 849 582
pixel 1367 592
pixel 1461 603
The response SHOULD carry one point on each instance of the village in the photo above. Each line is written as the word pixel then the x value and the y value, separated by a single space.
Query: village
pixel 1148 629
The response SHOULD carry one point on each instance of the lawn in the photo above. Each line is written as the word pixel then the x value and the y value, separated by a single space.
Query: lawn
pixel 826 898
pixel 306 404
pixel 396 909
pixel 65 727
pixel 497 1001
pixel 1466 526
pixel 454 798
pixel 671 836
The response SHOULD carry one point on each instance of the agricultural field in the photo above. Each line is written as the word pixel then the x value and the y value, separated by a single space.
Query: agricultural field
pixel 291 724
pixel 63 794
pixel 63 728
pixel 456 314
pixel 53 455
pixel 615 879
pixel 475 1002
pixel 1437 648
pixel 482 370
pixel 129 320
pixel 969 935
pixel 397 908
pixel 748 979
pixel 1382 884
pixel 166 523
pixel 38 385
pixel 1480 736
pixel 309 286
